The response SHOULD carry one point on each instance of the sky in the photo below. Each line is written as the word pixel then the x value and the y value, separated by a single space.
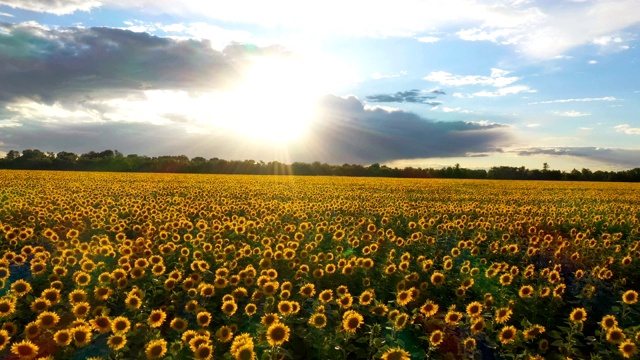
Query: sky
pixel 409 83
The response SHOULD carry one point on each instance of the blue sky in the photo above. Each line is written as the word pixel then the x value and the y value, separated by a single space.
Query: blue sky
pixel 413 83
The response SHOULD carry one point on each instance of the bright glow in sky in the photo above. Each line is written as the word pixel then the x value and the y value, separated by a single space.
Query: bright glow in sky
pixel 420 83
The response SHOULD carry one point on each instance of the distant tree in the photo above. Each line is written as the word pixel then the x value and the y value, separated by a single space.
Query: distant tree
pixel 12 155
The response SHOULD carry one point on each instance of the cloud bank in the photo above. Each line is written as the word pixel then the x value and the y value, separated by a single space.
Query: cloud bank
pixel 626 158
pixel 345 130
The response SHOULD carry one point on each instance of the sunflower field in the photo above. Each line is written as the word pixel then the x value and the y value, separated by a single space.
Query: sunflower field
pixel 175 266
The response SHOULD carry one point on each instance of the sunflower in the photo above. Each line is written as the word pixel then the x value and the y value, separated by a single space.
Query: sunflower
pixel 133 302
pixel 437 278
pixel 203 318
pixel 203 352
pixel 179 324
pixel 396 354
pixel 277 334
pixel 250 309
pixel 469 344
pixel 505 279
pixel 608 322
pixel 10 327
pixel 453 317
pixel 325 296
pixel 102 293
pixel 224 334
pixel 477 325
pixel 366 297
pixel 436 338
pixel 229 307
pixel 543 345
pixel 245 352
pixel 242 348
pixel 284 308
pixel 308 290
pixel 342 290
pixel 615 335
pixel 578 315
pixel 47 319
pixel 533 331
pixel 40 304
pixel 117 341
pixel 351 321
pixel 81 310
pixel 120 325
pixel 4 339
pixel 268 319
pixel 81 278
pixel 32 330
pixel 379 309
pixel 628 349
pixel 545 291
pixel 318 320
pixel 474 309
pixel 630 297
pixel 101 324
pixel 207 290
pixel 81 335
pixel 156 349
pixel 400 321
pixel 507 334
pixel 346 301
pixel 270 288
pixel 191 306
pixel 62 337
pixel 525 291
pixel 21 287
pixel 156 318
pixel 25 349
pixel 403 298
pixel 503 315
pixel 7 307
pixel 429 308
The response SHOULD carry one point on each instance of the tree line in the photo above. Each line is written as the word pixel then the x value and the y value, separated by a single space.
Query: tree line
pixel 113 160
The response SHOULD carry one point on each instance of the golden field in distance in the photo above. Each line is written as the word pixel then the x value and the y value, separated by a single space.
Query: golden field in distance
pixel 116 265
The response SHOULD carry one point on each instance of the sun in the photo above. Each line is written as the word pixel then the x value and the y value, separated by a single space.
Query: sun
pixel 275 101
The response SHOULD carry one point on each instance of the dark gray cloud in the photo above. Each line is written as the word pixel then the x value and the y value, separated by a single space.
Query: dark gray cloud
pixel 71 65
pixel 347 131
pixel 607 156
pixel 409 96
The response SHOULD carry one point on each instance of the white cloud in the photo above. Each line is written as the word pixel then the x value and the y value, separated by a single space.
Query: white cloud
pixel 457 110
pixel 497 78
pixel 593 62
pixel 551 31
pixel 606 40
pixel 428 39
pixel 606 98
pixel 532 125
pixel 6 14
pixel 58 7
pixel 219 37
pixel 625 128
pixel 509 90
pixel 378 76
pixel 571 113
